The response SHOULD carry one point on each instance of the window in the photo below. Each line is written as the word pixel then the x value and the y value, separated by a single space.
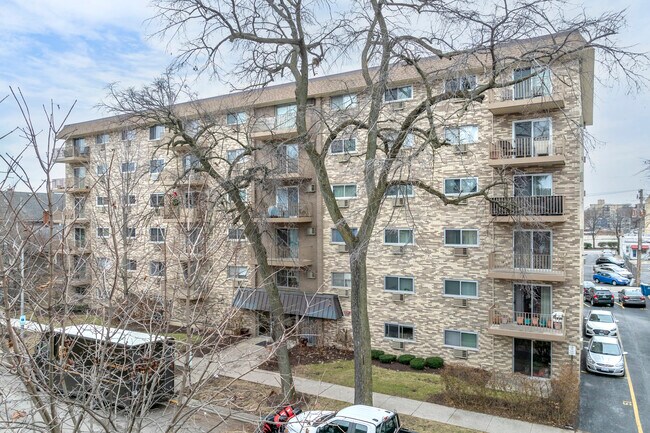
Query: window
pixel 532 138
pixel 128 134
pixel 103 232
pixel 130 232
pixel 236 234
pixel 101 139
pixel 157 234
pixel 532 358
pixel 462 288
pixel 461 339
pixel 102 169
pixel 461 237
pixel 341 102
pixel 156 132
pixel 343 146
pixel 344 191
pixel 236 118
pixel 237 272
pixel 398 94
pixel 157 199
pixel 101 200
pixel 399 332
pixel 233 154
pixel 157 269
pixel 104 263
pixel 191 162
pixel 539 83
pixel 192 127
pixel 342 279
pixel 466 82
pixel 156 166
pixel 79 143
pixel 394 191
pixel 398 236
pixel 128 167
pixel 461 185
pixel 462 134
pixel 534 185
pixel 285 116
pixel 338 239
pixel 131 265
pixel 128 200
pixel 399 284
pixel 408 143
pixel 286 278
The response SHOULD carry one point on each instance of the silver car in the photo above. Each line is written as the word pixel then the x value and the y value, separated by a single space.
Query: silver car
pixel 605 356
pixel 623 272
pixel 601 322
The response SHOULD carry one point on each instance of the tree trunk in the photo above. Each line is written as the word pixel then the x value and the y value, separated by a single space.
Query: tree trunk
pixel 593 239
pixel 360 328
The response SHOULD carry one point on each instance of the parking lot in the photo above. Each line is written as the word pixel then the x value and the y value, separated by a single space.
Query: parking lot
pixel 612 404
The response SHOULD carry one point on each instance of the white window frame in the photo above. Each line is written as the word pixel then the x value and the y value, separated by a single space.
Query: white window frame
pixel 157 194
pixel 129 261
pixel 347 277
pixel 160 230
pixel 99 172
pixel 106 230
pixel 355 230
pixel 157 131
pixel 444 339
pixel 550 175
pixel 459 128
pixel 538 119
pixel 400 99
pixel 478 238
pixel 128 163
pixel 239 239
pixel 128 135
pixel 237 275
pixel 458 78
pixel 102 138
pixel 238 153
pixel 240 117
pixel 345 186
pixel 399 191
pixel 128 231
pixel 343 142
pixel 350 100
pixel 296 276
pixel 163 269
pixel 399 279
pixel 399 325
pixel 399 229
pixel 460 179
pixel 460 287
pixel 126 200
pixel 105 200
pixel 162 166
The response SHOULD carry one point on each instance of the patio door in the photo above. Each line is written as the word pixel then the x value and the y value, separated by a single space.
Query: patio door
pixel 79 176
pixel 288 158
pixel 535 185
pixel 286 200
pixel 532 249
pixel 532 138
pixel 287 243
pixel 79 207
pixel 532 299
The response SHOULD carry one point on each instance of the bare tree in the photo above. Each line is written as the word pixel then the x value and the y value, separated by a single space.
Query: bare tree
pixel 621 224
pixel 593 221
pixel 290 43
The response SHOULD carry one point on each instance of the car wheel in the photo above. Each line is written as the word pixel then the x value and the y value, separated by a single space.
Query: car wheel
pixel 613 283
pixel 595 280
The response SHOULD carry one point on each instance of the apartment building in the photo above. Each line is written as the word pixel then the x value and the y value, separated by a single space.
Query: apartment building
pixel 494 284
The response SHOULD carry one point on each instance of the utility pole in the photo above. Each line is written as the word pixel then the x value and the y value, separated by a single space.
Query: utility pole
pixel 640 227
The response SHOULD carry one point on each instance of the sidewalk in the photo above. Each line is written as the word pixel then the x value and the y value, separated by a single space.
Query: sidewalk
pixel 424 410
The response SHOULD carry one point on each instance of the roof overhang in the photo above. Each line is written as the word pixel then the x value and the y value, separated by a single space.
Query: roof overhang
pixel 315 305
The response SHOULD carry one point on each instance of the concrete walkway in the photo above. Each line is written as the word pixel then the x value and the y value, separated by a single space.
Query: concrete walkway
pixel 239 359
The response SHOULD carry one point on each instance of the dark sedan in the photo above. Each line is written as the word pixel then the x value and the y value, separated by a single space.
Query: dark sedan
pixel 629 296
pixel 598 296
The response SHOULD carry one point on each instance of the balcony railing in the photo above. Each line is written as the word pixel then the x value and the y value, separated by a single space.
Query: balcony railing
pixel 523 147
pixel 552 205
pixel 269 124
pixel 183 212
pixel 542 267
pixel 71 152
pixel 81 243
pixel 538 326
pixel 527 89
pixel 287 256
pixel 292 210
pixel 57 183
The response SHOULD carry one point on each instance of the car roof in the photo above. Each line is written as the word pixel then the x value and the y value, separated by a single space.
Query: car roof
pixel 605 312
pixel 365 413
pixel 601 339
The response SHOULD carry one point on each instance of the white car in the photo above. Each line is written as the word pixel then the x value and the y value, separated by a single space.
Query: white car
pixel 605 356
pixel 358 418
pixel 601 322
pixel 623 272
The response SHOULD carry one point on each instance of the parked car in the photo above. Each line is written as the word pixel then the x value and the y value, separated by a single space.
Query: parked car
pixel 623 272
pixel 605 356
pixel 586 285
pixel 609 277
pixel 615 260
pixel 631 296
pixel 598 296
pixel 601 322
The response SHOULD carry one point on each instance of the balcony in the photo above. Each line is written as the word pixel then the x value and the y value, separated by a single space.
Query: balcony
pixel 290 257
pixel 79 245
pixel 80 277
pixel 526 267
pixel 542 209
pixel 192 292
pixel 528 96
pixel 72 186
pixel 183 213
pixel 525 151
pixel 71 155
pixel 289 170
pixel 67 217
pixel 57 185
pixel 292 213
pixel 530 326
pixel 189 178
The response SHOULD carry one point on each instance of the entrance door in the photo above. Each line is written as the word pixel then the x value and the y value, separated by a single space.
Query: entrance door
pixel 286 200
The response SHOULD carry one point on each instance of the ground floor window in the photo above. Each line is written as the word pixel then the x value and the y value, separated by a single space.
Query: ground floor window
pixel 398 331
pixel 532 358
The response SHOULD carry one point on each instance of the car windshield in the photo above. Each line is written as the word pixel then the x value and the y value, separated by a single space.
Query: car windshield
pixel 603 348
pixel 602 318
pixel 323 418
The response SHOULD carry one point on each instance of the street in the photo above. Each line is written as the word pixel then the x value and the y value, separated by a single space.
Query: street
pixel 609 404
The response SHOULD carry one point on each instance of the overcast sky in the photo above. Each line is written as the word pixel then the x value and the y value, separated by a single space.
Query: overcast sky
pixel 70 50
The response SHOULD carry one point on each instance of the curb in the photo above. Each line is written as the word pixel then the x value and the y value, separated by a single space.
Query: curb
pixel 225 412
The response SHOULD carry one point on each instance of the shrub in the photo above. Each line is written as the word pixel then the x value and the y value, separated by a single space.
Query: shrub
pixel 375 354
pixel 587 245
pixel 434 362
pixel 602 244
pixel 417 363
pixel 405 359
pixel 387 359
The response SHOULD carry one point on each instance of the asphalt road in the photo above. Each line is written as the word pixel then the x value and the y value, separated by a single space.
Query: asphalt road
pixel 607 404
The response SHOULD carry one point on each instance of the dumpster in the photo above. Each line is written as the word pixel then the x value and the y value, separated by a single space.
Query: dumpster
pixel 645 289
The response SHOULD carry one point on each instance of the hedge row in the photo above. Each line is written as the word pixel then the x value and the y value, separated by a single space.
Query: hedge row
pixel 414 362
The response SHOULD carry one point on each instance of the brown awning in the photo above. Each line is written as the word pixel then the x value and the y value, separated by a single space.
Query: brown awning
pixel 317 305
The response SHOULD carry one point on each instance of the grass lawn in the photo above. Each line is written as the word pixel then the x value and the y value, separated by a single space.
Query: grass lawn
pixel 417 386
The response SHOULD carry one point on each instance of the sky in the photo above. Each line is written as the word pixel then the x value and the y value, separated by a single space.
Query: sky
pixel 68 51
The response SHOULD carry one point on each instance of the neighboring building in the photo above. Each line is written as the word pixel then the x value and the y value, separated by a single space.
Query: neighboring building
pixel 489 284
pixel 609 212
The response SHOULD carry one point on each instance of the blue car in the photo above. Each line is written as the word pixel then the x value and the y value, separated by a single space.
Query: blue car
pixel 612 278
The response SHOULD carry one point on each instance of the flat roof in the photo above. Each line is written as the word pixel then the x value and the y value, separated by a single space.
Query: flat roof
pixel 113 335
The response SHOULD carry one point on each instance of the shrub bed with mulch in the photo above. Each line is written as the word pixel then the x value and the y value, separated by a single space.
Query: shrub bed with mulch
pixel 302 355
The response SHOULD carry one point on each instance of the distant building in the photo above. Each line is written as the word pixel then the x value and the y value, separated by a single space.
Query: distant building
pixel 609 213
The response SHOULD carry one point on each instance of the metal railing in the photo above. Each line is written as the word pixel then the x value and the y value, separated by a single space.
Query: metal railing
pixel 292 210
pixel 539 205
pixel 525 262
pixel 57 183
pixel 531 88
pixel 72 152
pixel 272 123
pixel 526 321
pixel 523 147
pixel 286 252
pixel 184 211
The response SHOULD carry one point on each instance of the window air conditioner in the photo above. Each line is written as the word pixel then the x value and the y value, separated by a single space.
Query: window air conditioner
pixel 461 252
pixel 462 203
pixel 311 275
pixel 398 251
pixel 343 249
pixel 311 231
pixel 397 297
pixel 343 292
pixel 460 354
pixel 399 202
pixel 462 303
pixel 311 187
pixel 397 345
pixel 343 203
pixel 460 148
pixel 397 105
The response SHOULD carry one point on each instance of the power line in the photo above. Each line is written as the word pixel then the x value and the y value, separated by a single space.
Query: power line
pixel 610 192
